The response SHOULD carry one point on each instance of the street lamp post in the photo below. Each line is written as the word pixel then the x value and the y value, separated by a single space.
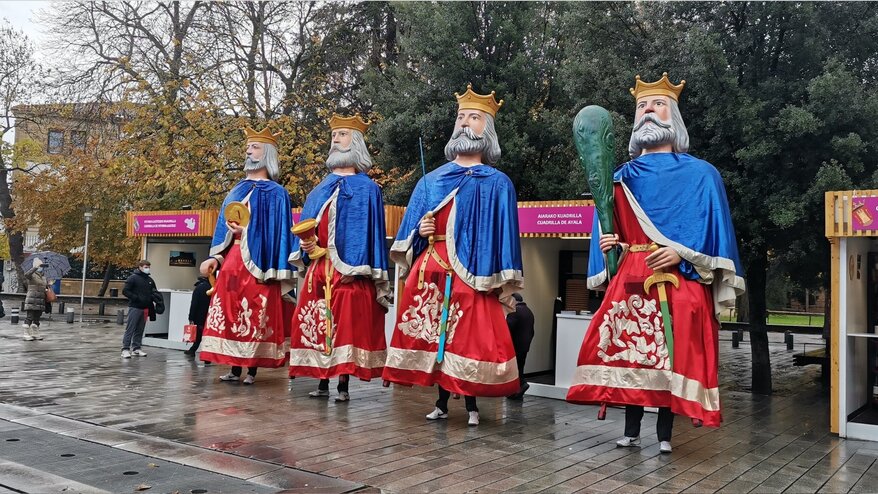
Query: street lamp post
pixel 88 217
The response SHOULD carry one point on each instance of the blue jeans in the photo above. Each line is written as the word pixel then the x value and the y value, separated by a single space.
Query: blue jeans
pixel 134 329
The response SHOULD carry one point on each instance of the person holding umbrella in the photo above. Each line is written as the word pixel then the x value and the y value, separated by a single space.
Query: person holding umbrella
pixel 35 300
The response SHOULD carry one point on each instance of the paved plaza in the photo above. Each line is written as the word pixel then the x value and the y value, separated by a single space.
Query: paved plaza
pixel 75 416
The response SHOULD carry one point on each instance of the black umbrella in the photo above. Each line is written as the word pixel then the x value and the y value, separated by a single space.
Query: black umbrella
pixel 55 265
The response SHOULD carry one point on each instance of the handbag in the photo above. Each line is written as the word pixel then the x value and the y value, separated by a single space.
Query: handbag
pixel 50 295
pixel 189 331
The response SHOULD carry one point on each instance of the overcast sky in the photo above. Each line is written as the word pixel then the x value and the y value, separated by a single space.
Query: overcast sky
pixel 20 14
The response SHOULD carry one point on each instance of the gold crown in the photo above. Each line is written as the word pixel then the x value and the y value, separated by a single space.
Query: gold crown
pixel 264 135
pixel 661 87
pixel 355 123
pixel 472 101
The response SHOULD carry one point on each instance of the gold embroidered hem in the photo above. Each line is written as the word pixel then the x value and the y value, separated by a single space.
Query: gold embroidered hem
pixel 243 349
pixel 648 379
pixel 456 366
pixel 347 354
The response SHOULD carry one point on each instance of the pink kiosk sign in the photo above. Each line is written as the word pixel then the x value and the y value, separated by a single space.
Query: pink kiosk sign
pixel 146 224
pixel 572 220
pixel 864 212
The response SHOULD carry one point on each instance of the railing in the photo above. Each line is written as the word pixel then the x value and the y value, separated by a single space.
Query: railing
pixel 840 206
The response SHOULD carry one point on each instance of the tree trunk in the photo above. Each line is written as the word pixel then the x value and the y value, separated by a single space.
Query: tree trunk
pixel 757 270
pixel 16 237
pixel 108 269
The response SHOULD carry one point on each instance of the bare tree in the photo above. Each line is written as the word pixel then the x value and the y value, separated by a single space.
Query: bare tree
pixel 20 76
pixel 108 49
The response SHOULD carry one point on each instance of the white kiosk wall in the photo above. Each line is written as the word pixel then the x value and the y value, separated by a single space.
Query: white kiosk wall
pixel 174 277
pixel 540 257
pixel 854 253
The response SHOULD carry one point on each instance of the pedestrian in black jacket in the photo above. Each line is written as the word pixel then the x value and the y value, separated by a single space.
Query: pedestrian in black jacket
pixel 198 311
pixel 521 327
pixel 140 290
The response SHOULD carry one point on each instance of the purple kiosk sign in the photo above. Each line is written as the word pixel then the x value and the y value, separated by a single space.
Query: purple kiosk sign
pixel 864 213
pixel 564 220
pixel 163 224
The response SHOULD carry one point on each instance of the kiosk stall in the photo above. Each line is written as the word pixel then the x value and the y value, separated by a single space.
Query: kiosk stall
pixel 852 230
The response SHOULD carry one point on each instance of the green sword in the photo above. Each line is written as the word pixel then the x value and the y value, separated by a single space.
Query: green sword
pixel 659 278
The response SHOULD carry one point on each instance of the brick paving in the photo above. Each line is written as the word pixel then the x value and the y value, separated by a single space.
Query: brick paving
pixel 380 439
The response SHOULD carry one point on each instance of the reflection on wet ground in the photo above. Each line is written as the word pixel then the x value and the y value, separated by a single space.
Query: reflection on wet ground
pixel 380 437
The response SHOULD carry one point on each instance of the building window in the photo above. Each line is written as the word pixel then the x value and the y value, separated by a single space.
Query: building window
pixel 78 139
pixel 56 142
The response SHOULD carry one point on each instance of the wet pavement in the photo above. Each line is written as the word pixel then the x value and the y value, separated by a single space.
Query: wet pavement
pixel 72 394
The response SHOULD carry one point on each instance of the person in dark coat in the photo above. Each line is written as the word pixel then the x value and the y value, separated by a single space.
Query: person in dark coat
pixel 521 327
pixel 35 300
pixel 198 311
pixel 139 290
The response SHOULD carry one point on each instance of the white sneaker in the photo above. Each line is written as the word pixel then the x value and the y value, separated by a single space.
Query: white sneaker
pixel 138 353
pixel 319 393
pixel 437 414
pixel 249 379
pixel 665 447
pixel 628 442
pixel 27 337
pixel 229 377
pixel 126 354
pixel 27 333
pixel 473 418
pixel 343 396
pixel 35 332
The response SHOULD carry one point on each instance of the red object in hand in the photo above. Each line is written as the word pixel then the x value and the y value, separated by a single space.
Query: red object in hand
pixel 189 333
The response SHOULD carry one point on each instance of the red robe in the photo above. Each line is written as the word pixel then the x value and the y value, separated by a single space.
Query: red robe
pixel 624 359
pixel 358 344
pixel 245 323
pixel 479 357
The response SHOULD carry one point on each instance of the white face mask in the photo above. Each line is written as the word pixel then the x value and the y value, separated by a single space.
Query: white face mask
pixel 145 269
pixel 40 269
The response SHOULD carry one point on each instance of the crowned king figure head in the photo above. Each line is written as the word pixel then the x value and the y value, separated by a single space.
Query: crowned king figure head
pixel 658 125
pixel 262 152
pixel 474 132
pixel 348 148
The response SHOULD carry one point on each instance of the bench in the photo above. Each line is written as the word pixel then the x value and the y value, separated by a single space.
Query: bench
pixel 816 356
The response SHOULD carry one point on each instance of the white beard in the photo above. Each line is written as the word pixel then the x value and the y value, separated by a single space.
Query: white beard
pixel 465 141
pixel 658 133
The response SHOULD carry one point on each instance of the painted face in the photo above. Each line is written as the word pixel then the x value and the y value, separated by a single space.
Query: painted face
pixel 660 105
pixel 342 138
pixel 255 151
pixel 474 119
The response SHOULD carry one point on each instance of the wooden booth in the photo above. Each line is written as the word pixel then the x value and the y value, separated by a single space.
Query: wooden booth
pixel 852 230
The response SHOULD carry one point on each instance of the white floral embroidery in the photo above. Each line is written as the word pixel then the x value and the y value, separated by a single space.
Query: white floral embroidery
pixel 312 323
pixel 215 318
pixel 422 320
pixel 632 331
pixel 242 326
pixel 263 331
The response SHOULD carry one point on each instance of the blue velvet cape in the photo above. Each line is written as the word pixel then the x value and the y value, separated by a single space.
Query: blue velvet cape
pixel 482 231
pixel 680 201
pixel 267 242
pixel 356 225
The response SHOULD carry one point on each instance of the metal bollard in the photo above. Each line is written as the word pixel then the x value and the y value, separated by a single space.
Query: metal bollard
pixel 101 308
pixel 120 316
pixel 788 339
pixel 61 307
pixel 736 340
pixel 740 335
pixel 13 318
pixel 71 314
